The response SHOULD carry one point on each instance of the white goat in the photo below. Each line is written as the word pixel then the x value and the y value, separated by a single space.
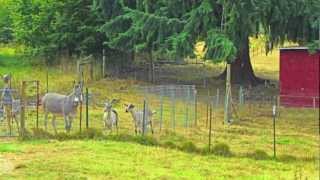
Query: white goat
pixel 110 116
pixel 137 117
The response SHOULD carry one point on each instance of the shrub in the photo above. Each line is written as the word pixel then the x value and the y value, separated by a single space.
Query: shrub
pixel 221 149
pixel 287 158
pixel 146 140
pixel 40 134
pixel 259 155
pixel 90 133
pixel 121 137
pixel 169 144
pixel 188 147
pixel 62 136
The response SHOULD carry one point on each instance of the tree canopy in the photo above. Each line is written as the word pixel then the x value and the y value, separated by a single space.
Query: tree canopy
pixel 162 28
pixel 174 27
pixel 5 23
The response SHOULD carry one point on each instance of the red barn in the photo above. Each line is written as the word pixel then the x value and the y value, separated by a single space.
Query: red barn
pixel 299 77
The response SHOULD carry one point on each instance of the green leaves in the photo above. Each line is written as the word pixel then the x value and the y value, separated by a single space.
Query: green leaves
pixel 219 47
pixel 5 23
pixel 166 28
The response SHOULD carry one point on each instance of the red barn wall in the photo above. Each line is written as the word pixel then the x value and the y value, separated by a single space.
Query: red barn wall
pixel 299 78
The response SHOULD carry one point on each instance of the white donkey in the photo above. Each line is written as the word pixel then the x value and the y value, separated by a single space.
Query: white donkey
pixel 65 105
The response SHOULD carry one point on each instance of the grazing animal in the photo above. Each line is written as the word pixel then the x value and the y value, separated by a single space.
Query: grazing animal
pixel 65 105
pixel 110 116
pixel 137 117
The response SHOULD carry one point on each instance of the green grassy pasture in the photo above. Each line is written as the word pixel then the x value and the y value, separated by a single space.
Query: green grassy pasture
pixel 250 138
pixel 90 159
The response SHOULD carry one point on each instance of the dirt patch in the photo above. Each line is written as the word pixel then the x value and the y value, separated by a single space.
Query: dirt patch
pixel 8 139
pixel 6 166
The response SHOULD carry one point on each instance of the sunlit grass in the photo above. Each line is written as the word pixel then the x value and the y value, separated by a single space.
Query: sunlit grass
pixel 247 137
pixel 117 160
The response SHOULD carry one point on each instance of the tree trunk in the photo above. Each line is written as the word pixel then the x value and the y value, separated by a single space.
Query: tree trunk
pixel 241 68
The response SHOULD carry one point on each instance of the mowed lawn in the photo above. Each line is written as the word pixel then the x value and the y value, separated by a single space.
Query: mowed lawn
pixel 102 159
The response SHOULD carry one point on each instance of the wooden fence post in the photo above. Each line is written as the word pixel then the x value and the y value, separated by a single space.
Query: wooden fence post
pixel 274 113
pixel 210 127
pixel 227 95
pixel 103 62
pixel 218 97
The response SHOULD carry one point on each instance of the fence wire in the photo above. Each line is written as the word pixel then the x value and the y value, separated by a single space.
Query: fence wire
pixel 182 112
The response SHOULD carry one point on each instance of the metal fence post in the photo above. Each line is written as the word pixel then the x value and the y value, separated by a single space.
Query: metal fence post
pixel 87 108
pixel 22 113
pixel 144 117
pixel 195 108
pixel 207 100
pixel 80 116
pixel 38 84
pixel 47 82
pixel 187 109
pixel 161 109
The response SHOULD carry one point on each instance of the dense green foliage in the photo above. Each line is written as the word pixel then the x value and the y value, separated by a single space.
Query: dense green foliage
pixel 157 27
pixel 168 28
pixel 49 28
pixel 5 23
pixel 174 27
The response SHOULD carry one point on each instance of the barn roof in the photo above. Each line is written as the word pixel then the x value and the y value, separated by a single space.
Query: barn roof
pixel 295 48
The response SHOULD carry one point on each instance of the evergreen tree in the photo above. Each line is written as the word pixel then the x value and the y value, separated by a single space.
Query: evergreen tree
pixel 173 27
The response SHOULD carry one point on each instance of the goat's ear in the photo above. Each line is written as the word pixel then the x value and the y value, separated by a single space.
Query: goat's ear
pixel 125 105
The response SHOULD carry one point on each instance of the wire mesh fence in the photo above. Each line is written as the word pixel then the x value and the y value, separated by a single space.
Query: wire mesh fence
pixel 198 118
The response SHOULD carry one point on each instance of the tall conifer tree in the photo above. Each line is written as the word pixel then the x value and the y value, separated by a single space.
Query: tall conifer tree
pixel 173 27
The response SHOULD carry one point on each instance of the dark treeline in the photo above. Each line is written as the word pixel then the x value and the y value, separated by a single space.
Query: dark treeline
pixel 157 28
